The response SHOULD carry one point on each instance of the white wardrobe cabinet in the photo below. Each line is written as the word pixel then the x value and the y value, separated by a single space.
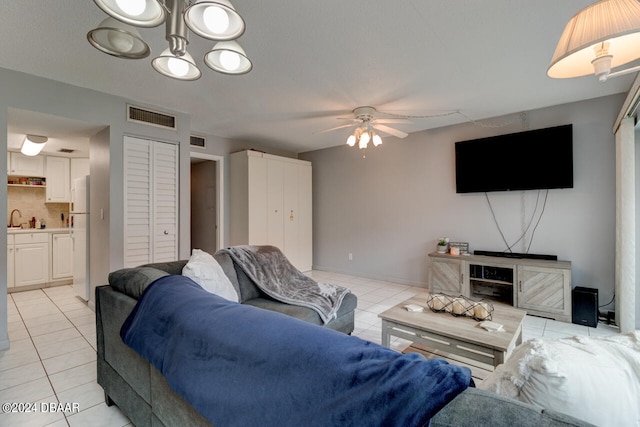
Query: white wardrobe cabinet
pixel 151 201
pixel 271 204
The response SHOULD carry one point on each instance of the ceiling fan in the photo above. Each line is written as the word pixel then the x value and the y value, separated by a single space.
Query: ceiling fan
pixel 367 123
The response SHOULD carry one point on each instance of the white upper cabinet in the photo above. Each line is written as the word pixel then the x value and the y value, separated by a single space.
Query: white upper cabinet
pixel 58 180
pixel 20 165
pixel 79 168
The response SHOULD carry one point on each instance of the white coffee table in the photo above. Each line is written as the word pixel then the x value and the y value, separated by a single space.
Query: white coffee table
pixel 460 336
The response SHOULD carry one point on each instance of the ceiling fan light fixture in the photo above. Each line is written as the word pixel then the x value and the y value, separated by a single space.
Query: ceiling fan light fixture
pixel 118 39
pixel 228 57
pixel 141 13
pixel 376 139
pixel 177 67
pixel 351 141
pixel 33 144
pixel 600 37
pixel 364 140
pixel 214 20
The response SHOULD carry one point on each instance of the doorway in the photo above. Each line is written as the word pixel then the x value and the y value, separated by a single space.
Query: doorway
pixel 207 202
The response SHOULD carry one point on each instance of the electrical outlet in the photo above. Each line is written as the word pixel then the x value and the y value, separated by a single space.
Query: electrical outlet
pixel 350 256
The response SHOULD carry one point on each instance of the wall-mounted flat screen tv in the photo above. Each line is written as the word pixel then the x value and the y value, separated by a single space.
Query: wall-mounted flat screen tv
pixel 536 159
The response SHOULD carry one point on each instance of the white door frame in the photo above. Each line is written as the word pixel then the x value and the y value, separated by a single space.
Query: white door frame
pixel 219 192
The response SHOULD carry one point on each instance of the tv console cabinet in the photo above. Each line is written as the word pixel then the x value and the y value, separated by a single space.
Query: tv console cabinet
pixel 541 287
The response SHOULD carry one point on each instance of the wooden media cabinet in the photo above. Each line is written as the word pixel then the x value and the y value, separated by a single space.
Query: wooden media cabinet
pixel 541 287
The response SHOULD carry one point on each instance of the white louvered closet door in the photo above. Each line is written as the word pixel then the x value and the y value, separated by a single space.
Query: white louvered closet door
pixel 151 201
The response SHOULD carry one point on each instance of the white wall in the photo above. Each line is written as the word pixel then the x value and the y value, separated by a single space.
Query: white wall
pixel 389 208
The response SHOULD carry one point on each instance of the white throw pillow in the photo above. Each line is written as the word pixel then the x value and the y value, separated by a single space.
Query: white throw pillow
pixel 205 271
pixel 596 379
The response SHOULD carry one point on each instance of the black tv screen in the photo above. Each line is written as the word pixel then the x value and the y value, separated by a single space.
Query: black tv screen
pixel 536 159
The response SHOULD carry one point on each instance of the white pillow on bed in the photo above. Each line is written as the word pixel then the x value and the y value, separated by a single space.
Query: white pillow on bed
pixel 205 271
pixel 596 379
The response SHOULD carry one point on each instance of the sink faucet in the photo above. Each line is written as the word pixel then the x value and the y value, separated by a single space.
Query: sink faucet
pixel 11 217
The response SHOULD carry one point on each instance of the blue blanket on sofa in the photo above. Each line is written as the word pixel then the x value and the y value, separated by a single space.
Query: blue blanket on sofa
pixel 239 365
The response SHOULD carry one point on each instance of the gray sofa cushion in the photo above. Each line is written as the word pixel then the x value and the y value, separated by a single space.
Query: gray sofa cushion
pixel 474 407
pixel 226 263
pixel 175 267
pixel 348 305
pixel 133 281
pixel 248 289
pixel 171 267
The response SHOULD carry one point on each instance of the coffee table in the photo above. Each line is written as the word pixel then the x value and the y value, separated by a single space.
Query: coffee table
pixel 460 336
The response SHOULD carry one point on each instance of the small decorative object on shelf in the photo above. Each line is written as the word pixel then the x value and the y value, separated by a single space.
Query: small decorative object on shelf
pixel 462 248
pixel 443 245
pixel 460 306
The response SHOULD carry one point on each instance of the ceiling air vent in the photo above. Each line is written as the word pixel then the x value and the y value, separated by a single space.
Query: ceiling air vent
pixel 140 115
pixel 66 150
pixel 198 141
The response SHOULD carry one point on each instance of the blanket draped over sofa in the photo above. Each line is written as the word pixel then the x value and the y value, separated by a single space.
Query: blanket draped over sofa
pixel 272 272
pixel 243 366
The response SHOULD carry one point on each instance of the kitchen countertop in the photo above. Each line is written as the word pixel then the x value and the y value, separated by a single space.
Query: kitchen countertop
pixel 36 230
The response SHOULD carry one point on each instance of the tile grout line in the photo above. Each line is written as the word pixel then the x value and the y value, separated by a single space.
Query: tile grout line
pixel 83 337
pixel 55 395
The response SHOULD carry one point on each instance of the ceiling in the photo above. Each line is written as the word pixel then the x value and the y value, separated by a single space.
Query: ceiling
pixel 316 61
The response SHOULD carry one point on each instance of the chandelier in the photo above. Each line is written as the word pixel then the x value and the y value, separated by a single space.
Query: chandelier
pixel 211 19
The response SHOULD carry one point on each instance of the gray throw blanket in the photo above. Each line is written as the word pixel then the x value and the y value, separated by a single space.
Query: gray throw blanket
pixel 272 273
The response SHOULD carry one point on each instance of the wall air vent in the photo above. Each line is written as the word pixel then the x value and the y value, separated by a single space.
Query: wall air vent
pixel 141 115
pixel 198 141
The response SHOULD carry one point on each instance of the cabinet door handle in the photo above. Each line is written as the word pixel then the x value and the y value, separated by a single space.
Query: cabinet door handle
pixel 166 232
pixel 520 284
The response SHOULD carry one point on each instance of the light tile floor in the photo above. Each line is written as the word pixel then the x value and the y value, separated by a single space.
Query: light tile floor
pixel 52 358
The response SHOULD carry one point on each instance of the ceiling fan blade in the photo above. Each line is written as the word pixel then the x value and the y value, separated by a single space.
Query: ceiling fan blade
pixel 390 131
pixel 390 121
pixel 335 128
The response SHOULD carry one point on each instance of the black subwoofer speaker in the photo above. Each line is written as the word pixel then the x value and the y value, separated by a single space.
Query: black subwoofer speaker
pixel 584 306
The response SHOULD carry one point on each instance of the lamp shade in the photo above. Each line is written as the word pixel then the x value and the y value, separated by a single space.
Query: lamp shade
pixel 177 67
pixel 33 144
pixel 118 39
pixel 228 57
pixel 141 13
pixel 616 22
pixel 214 20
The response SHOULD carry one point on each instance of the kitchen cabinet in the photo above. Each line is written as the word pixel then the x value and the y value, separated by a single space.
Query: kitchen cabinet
pixel 271 204
pixel 58 180
pixel 151 201
pixel 61 256
pixel 31 259
pixel 10 261
pixel 20 165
